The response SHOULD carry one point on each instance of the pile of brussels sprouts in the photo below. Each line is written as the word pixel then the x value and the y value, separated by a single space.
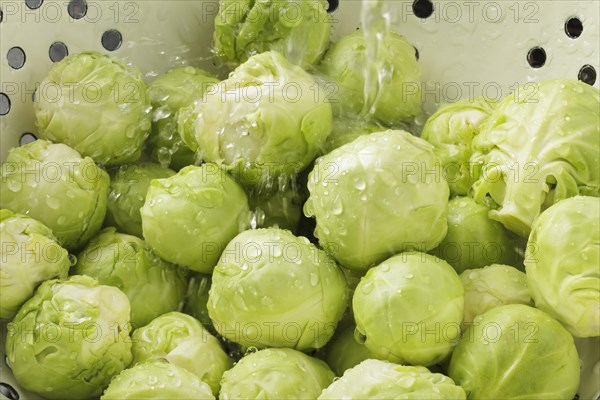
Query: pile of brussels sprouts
pixel 259 236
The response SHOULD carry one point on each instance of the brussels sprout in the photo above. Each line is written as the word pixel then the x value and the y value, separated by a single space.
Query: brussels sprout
pixel 493 286
pixel 282 209
pixel 344 351
pixel 263 123
pixel 451 130
pixel 516 351
pixel 473 239
pixel 298 29
pixel 377 196
pixel 152 285
pixel 196 302
pixel 29 255
pixel 540 146
pixel 398 95
pixel 157 380
pixel 95 104
pixel 181 340
pixel 409 309
pixel 346 130
pixel 53 184
pixel 246 301
pixel 562 259
pixel 188 218
pixel 70 338
pixel 375 379
pixel 177 88
pixel 276 374
pixel 128 188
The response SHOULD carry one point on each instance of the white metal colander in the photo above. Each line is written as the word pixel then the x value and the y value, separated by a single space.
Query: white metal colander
pixel 466 48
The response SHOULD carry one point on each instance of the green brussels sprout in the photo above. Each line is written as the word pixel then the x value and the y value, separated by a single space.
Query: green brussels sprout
pixel 539 146
pixel 376 379
pixel 152 285
pixel 188 218
pixel 55 185
pixel 451 130
pixel 95 104
pixel 181 340
pixel 493 286
pixel 344 352
pixel 246 301
pixel 70 338
pixel 262 123
pixel 157 380
pixel 276 374
pixel 196 301
pixel 377 196
pixel 29 255
pixel 171 91
pixel 346 130
pixel 516 351
pixel 473 239
pixel 396 98
pixel 128 188
pixel 297 29
pixel 282 209
pixel 562 259
pixel 409 309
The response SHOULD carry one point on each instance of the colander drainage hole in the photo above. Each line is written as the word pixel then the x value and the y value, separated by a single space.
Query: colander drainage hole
pixel 27 137
pixel 77 9
pixel 15 57
pixel 58 51
pixel 536 57
pixel 422 8
pixel 112 39
pixel 4 104
pixel 33 4
pixel 9 391
pixel 573 27
pixel 587 74
pixel 1 15
pixel 333 5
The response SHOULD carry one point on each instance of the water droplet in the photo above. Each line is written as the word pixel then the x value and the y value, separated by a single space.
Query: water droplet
pixel 61 220
pixel 14 185
pixel 314 279
pixel 473 275
pixel 367 287
pixel 359 183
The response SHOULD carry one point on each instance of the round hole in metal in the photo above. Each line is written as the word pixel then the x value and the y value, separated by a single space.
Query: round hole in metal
pixel 587 74
pixel 33 4
pixel 536 57
pixel 27 137
pixel 422 8
pixel 58 51
pixel 573 27
pixel 9 391
pixel 333 5
pixel 16 57
pixel 4 104
pixel 112 39
pixel 77 8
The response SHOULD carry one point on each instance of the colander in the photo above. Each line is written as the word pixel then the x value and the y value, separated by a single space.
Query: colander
pixel 466 49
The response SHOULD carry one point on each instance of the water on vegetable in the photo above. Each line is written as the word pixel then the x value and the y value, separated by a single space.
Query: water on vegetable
pixel 375 20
